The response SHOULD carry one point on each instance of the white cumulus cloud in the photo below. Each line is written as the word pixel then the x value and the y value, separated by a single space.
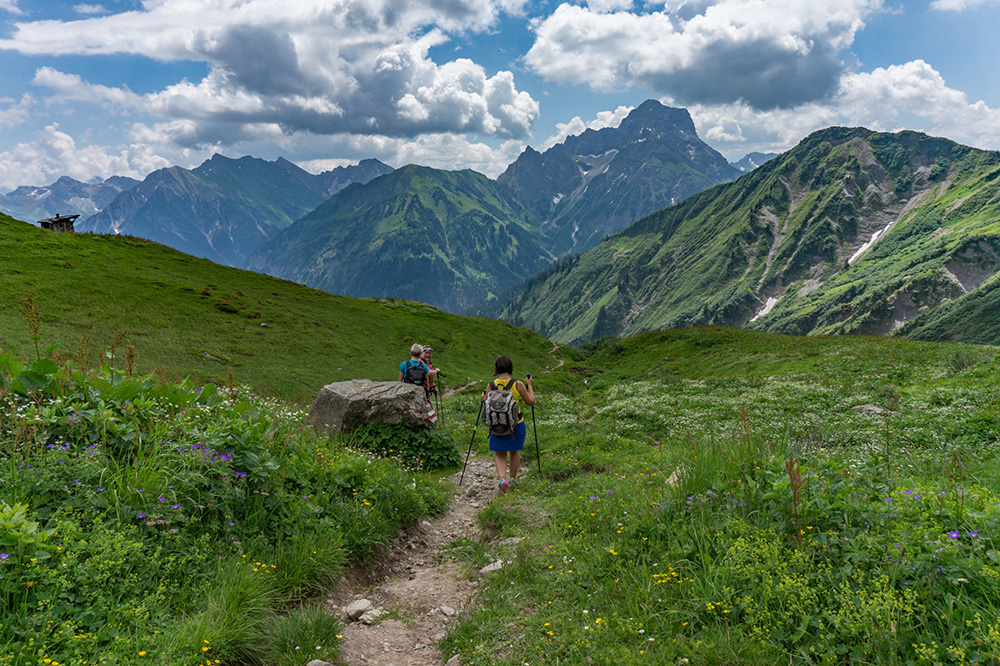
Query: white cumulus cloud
pixel 912 95
pixel 17 112
pixel 961 5
pixel 765 53
pixel 578 126
pixel 52 153
pixel 319 66
pixel 86 9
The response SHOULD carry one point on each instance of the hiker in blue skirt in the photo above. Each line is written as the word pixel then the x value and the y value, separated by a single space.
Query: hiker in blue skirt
pixel 503 418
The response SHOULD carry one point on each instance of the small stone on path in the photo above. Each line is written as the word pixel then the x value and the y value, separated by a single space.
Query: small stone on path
pixel 356 609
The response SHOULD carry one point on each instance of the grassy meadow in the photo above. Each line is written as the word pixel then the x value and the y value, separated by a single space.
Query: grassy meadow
pixel 707 496
pixel 188 317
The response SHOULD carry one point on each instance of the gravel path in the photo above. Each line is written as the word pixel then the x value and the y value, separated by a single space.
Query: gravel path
pixel 420 595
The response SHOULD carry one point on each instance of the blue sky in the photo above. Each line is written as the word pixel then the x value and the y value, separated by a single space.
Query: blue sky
pixel 123 87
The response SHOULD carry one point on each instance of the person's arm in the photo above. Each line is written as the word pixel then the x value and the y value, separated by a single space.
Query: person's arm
pixel 400 375
pixel 527 391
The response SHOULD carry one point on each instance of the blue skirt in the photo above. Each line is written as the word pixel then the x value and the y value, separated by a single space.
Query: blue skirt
pixel 514 442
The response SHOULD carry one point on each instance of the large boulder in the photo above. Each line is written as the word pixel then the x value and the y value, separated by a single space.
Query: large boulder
pixel 343 406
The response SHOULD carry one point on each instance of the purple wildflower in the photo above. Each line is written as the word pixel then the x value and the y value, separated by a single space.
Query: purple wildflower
pixel 972 534
pixel 954 534
pixel 140 515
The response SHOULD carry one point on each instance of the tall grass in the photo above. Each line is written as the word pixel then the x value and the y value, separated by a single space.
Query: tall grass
pixel 755 519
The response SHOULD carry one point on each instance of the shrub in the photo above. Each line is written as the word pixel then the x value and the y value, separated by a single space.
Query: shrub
pixel 416 449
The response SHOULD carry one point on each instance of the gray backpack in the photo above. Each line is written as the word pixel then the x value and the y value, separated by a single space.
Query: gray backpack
pixel 499 411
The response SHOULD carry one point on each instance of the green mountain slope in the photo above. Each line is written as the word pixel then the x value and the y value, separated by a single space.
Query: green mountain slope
pixel 194 317
pixel 850 232
pixel 448 238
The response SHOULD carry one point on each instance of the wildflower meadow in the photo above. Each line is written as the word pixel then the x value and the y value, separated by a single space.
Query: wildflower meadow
pixel 700 515
pixel 706 496
pixel 151 521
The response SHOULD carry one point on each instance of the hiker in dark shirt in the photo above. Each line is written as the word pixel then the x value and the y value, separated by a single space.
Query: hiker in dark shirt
pixel 502 445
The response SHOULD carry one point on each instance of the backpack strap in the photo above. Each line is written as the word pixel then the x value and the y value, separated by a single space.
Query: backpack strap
pixel 506 387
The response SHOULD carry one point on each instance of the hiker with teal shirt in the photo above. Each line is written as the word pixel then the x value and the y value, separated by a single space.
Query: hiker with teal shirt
pixel 415 371
pixel 502 445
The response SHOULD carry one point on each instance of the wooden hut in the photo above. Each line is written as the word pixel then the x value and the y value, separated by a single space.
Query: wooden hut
pixel 60 223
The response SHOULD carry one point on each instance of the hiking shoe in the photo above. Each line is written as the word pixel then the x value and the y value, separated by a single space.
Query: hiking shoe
pixel 512 485
pixel 504 486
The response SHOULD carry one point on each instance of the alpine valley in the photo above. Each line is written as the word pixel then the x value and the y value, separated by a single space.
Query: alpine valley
pixel 852 231
pixel 458 239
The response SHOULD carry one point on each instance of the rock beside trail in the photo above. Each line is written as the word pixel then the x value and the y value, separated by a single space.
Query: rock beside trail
pixel 343 406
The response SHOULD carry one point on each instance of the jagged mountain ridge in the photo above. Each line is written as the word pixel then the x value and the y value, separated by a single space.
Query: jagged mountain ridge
pixel 448 238
pixel 66 196
pixel 851 231
pixel 609 177
pixel 598 182
pixel 225 208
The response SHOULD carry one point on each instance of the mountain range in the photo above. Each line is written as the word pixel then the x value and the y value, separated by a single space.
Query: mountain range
pixel 224 209
pixel 66 196
pixel 852 231
pixel 457 240
pixel 448 238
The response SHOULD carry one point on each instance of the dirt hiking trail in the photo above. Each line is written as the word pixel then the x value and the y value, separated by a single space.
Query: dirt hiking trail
pixel 415 595
pixel 420 595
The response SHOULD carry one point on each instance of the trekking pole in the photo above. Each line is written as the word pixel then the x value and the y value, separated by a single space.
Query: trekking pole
pixel 437 398
pixel 538 453
pixel 469 452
